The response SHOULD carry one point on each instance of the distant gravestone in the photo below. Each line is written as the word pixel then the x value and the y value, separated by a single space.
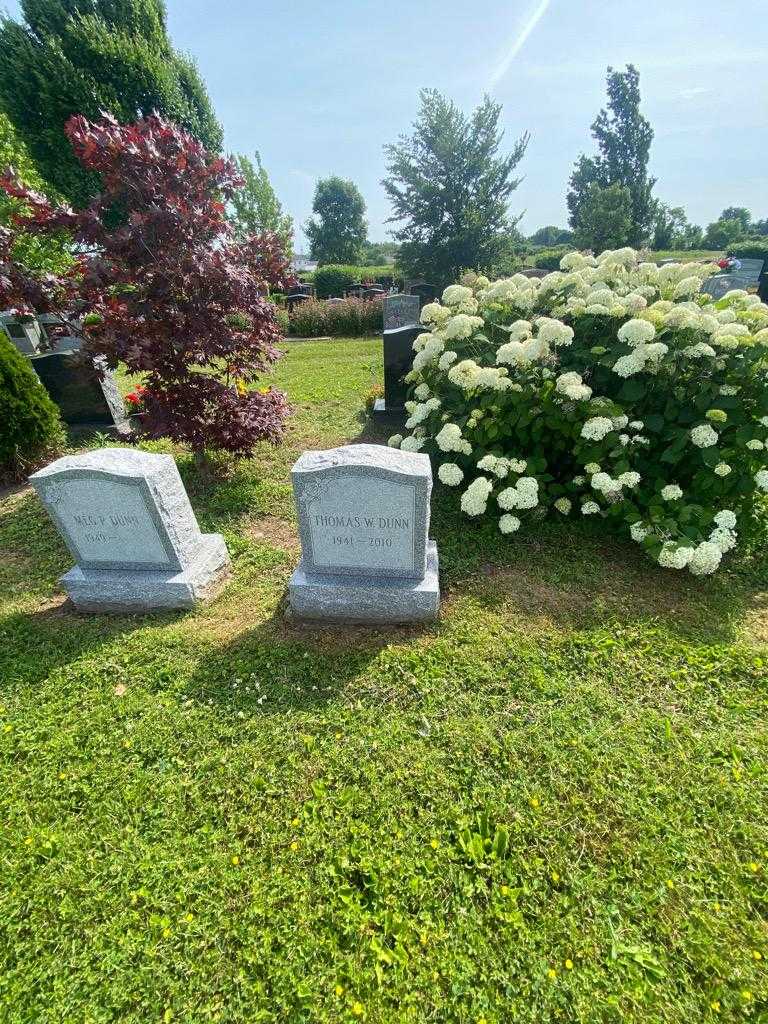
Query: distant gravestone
pixel 296 299
pixel 425 291
pixel 126 518
pixel 364 523
pixel 401 311
pixel 59 334
pixel 25 333
pixel 746 277
pixel 717 285
pixel 85 398
pixel 398 361
pixel 748 274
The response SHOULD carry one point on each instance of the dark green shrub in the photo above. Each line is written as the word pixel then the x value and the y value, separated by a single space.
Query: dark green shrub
pixel 352 318
pixel 332 280
pixel 749 249
pixel 549 259
pixel 30 426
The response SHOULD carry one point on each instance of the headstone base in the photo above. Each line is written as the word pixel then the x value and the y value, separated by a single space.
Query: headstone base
pixel 363 600
pixel 126 591
pixel 381 412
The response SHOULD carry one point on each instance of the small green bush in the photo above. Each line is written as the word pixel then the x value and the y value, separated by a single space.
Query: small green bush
pixel 283 319
pixel 30 426
pixel 750 249
pixel 352 318
pixel 549 259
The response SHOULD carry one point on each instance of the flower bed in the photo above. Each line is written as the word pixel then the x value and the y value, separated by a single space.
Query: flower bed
pixel 345 318
pixel 609 388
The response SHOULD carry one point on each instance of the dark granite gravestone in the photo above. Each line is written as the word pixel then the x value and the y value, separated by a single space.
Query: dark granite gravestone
pixel 717 285
pixel 295 299
pixel 401 311
pixel 84 398
pixel 426 292
pixel 59 334
pixel 398 361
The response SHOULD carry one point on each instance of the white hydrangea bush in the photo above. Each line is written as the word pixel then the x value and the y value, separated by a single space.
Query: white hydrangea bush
pixel 612 388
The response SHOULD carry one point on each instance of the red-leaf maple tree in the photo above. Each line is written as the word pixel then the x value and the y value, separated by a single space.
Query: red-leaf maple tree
pixel 160 282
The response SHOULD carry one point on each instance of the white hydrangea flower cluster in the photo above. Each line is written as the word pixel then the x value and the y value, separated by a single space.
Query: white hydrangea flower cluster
pixel 421 412
pixel 500 466
pixel 449 439
pixel 704 436
pixel 474 500
pixel 468 376
pixel 572 386
pixel 523 495
pixel 450 474
pixel 509 523
pixel 596 428
pixel 502 368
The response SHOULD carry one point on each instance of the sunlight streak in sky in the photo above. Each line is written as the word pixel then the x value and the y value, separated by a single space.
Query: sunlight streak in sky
pixel 506 61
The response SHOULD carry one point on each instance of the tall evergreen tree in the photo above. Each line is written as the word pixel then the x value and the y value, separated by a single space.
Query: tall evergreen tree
pixel 255 207
pixel 32 252
pixel 450 189
pixel 338 229
pixel 623 139
pixel 86 56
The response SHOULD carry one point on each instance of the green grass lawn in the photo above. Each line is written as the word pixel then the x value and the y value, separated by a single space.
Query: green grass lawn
pixel 228 816
pixel 687 255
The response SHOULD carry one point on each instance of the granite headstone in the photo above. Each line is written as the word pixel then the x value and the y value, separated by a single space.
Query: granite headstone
pixel 126 518
pixel 25 334
pixel 85 396
pixel 746 277
pixel 364 524
pixel 401 311
pixel 398 361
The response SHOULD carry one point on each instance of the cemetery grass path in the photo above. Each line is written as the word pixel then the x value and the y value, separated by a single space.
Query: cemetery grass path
pixel 550 806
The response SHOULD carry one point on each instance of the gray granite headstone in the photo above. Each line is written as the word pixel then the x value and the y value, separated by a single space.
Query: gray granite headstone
pixel 746 277
pixel 25 333
pixel 364 524
pixel 719 284
pixel 749 272
pixel 126 518
pixel 401 310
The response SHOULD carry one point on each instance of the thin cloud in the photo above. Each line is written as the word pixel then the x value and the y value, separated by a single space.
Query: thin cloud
pixel 303 176
pixel 699 59
pixel 696 90
pixel 506 61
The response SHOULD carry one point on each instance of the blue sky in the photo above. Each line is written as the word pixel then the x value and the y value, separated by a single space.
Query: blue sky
pixel 318 88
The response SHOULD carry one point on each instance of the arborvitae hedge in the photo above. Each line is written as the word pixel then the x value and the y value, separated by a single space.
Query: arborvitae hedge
pixel 30 426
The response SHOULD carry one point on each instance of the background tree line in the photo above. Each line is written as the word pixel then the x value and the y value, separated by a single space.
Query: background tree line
pixel 449 180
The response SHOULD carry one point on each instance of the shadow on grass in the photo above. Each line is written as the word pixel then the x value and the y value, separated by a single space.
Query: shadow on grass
pixel 35 644
pixel 573 576
pixel 285 662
